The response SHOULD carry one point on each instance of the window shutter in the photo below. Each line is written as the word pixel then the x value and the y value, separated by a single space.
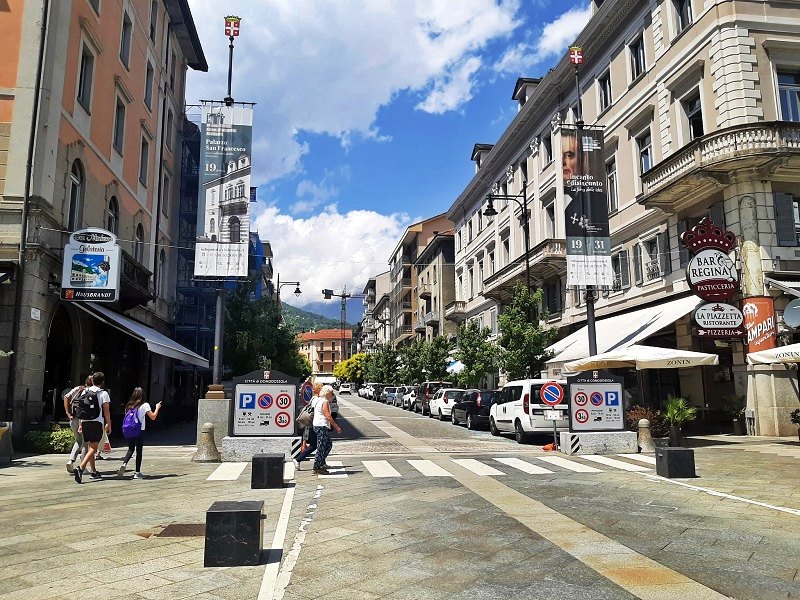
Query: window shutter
pixel 717 214
pixel 784 219
pixel 682 250
pixel 637 264
pixel 624 270
pixel 664 253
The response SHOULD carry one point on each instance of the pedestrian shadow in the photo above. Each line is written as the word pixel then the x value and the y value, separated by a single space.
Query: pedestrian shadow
pixel 145 478
pixel 271 556
pixel 22 463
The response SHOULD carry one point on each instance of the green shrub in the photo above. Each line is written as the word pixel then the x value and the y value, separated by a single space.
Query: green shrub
pixel 57 441
pixel 658 424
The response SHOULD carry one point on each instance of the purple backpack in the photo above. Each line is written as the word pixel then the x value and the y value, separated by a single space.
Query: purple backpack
pixel 131 427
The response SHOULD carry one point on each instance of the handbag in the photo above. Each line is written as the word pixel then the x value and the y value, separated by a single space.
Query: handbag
pixel 306 416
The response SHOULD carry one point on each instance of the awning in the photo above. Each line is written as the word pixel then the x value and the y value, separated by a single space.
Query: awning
pixel 779 355
pixel 787 287
pixel 156 342
pixel 620 331
pixel 643 357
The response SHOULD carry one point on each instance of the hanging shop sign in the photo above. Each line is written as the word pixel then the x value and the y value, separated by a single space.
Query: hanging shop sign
pixel 91 267
pixel 712 275
pixel 759 321
pixel 718 315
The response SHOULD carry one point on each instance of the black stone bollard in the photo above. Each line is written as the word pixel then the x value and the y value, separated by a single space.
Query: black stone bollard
pixel 675 462
pixel 234 533
pixel 267 472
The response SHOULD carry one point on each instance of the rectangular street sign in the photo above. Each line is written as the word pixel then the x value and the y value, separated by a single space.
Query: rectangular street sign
pixel 553 415
pixel 595 402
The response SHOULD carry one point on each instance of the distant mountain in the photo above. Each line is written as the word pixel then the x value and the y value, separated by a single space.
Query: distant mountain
pixel 331 309
pixel 307 320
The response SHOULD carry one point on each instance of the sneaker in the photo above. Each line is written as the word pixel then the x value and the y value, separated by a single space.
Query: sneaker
pixel 138 475
pixel 121 470
pixel 70 467
pixel 321 471
pixel 95 475
pixel 78 474
pixel 296 464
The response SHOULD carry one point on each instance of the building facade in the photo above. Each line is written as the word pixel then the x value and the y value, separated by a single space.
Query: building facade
pixel 435 287
pixel 104 139
pixel 373 320
pixel 699 101
pixel 324 350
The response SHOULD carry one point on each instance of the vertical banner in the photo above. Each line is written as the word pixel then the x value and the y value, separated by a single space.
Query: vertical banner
pixel 585 208
pixel 759 321
pixel 223 208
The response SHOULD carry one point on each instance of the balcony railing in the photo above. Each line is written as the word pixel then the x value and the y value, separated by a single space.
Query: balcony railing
pixel 419 326
pixel 406 305
pixel 456 310
pixel 431 317
pixel 652 270
pixel 425 290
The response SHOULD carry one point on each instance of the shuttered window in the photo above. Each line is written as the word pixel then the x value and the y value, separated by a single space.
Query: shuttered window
pixel 785 222
pixel 637 264
pixel 664 254
pixel 682 250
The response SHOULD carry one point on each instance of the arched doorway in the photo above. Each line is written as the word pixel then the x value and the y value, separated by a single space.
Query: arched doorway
pixel 57 365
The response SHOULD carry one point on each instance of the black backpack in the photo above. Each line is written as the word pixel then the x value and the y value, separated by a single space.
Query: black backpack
pixel 88 405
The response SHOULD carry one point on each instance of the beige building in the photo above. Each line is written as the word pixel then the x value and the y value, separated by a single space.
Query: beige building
pixel 323 349
pixel 435 287
pixel 373 325
pixel 105 153
pixel 699 101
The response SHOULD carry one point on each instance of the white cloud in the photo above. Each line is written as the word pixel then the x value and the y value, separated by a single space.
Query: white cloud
pixel 452 91
pixel 327 67
pixel 552 41
pixel 310 195
pixel 330 249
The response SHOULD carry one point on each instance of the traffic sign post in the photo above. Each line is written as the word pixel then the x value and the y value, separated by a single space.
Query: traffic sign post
pixel 595 402
pixel 264 404
pixel 552 394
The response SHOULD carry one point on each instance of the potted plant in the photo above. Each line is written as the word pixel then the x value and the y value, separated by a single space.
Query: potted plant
pixel 795 417
pixel 677 413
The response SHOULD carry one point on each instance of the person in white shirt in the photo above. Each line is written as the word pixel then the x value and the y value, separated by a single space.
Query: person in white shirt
pixel 323 422
pixel 74 422
pixel 143 410
pixel 92 428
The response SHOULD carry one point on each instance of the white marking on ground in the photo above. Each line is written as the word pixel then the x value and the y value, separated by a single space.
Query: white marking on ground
pixel 429 469
pixel 336 470
pixel 569 464
pixel 650 460
pixel 476 466
pixel 227 471
pixel 613 462
pixel 267 591
pixel 523 466
pixel 380 468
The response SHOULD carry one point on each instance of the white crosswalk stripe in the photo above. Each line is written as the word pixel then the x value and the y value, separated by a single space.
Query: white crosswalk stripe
pixel 227 471
pixel 570 465
pixel 650 460
pixel 477 466
pixel 523 466
pixel 429 469
pixel 613 462
pixel 380 468
pixel 336 470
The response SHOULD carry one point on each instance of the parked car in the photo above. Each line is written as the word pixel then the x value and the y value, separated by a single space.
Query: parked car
pixel 345 388
pixel 388 394
pixel 410 397
pixel 472 409
pixel 442 402
pixel 519 410
pixel 398 396
pixel 426 392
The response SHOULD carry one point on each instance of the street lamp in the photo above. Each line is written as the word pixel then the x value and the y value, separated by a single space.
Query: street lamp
pixel 279 285
pixel 523 204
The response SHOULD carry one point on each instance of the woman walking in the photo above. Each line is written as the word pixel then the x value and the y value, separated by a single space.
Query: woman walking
pixel 323 422
pixel 309 437
pixel 133 428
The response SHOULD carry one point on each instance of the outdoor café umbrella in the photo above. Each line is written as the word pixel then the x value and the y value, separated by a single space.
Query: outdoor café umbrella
pixel 643 357
pixel 781 354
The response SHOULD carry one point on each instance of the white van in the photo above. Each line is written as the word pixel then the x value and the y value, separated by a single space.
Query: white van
pixel 520 410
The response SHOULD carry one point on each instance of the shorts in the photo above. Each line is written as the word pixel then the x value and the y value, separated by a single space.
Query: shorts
pixel 92 431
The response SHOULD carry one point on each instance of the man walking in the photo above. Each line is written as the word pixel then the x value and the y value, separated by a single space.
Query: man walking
pixel 70 406
pixel 93 410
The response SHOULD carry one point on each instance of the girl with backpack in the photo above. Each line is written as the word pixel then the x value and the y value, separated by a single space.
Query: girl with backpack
pixel 133 428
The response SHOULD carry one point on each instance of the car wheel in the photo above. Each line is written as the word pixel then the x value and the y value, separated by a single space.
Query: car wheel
pixel 470 422
pixel 519 433
pixel 453 417
pixel 493 428
pixel 441 416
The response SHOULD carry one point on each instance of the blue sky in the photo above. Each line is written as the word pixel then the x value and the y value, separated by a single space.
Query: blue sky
pixel 367 112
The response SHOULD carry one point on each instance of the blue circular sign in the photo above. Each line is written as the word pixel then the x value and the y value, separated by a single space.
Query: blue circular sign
pixel 264 401
pixel 306 393
pixel 551 394
pixel 596 398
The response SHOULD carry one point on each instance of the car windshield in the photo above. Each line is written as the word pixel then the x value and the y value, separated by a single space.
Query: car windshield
pixel 490 397
pixel 391 390
pixel 454 394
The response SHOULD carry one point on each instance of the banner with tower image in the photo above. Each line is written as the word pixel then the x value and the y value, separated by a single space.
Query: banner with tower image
pixel 223 209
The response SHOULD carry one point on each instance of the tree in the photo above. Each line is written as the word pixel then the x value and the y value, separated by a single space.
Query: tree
pixel 256 336
pixel 381 366
pixel 413 361
pixel 352 369
pixel 476 352
pixel 523 340
pixel 437 351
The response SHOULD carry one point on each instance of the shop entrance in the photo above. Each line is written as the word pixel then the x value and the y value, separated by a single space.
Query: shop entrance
pixel 57 366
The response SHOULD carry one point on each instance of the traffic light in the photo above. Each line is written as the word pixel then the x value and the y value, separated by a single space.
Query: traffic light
pixel 328 294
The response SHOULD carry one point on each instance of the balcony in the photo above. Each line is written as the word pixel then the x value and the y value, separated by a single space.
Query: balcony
pixel 136 285
pixel 431 318
pixel 456 311
pixel 707 163
pixel 368 325
pixel 405 305
pixel 425 290
pixel 547 259
pixel 419 327
pixel 405 261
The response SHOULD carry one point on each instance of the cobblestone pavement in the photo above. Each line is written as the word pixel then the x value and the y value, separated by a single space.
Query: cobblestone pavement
pixel 386 527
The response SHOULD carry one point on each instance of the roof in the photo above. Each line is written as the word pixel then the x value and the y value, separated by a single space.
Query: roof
pixel 478 148
pixel 326 334
pixel 521 83
pixel 181 15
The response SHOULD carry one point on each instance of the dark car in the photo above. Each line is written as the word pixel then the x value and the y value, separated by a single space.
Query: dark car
pixel 426 392
pixel 472 409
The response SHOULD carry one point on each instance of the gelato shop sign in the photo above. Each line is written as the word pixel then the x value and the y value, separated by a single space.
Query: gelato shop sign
pixel 712 275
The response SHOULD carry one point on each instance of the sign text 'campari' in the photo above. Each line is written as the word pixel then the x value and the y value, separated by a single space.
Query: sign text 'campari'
pixel 759 320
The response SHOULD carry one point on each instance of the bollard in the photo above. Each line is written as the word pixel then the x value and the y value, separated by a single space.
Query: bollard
pixel 234 533
pixel 675 462
pixel 206 448
pixel 646 443
pixel 267 471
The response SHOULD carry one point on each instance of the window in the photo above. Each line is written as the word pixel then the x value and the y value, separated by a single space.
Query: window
pixel 505 251
pixel 144 157
pixel 112 216
pixel 240 189
pixel 95 5
pixel 172 67
pixel 550 221
pixel 119 126
pixel 604 90
pixel 469 231
pixel 148 86
pixel 523 171
pixel 165 195
pixel 683 9
pixel 651 266
pixel 493 321
pixel 76 189
pixel 471 278
pixel 547 149
pixel 491 263
pixel 170 126
pixel 789 95
pixel 235 227
pixel 644 144
pixel 162 272
pixel 622 276
pixel 480 276
pixel 85 78
pixel 138 244
pixel 637 58
pixel 552 297
pixel 480 221
pixel 459 240
pixel 153 19
pixel 125 40
pixel 611 184
pixel 694 115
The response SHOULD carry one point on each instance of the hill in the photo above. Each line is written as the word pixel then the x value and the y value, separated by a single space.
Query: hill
pixel 306 321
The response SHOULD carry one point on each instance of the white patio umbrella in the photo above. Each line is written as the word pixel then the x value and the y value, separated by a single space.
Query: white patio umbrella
pixel 455 367
pixel 643 357
pixel 781 354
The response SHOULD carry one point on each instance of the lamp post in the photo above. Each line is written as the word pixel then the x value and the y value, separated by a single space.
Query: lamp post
pixel 523 204
pixel 278 286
